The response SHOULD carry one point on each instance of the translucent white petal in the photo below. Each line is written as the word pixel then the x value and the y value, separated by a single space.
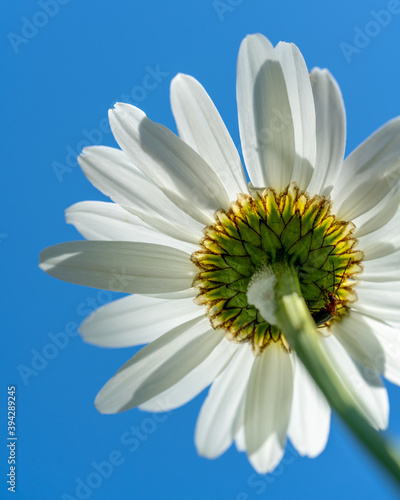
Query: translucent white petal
pixel 136 320
pixel 268 404
pixel 265 117
pixel 120 266
pixel 380 215
pixel 378 299
pixel 200 125
pixel 195 381
pixel 182 294
pixel 386 268
pixel 367 392
pixel 310 416
pixel 331 131
pixel 303 111
pixel 111 171
pixel 240 440
pixel 158 366
pixel 238 425
pixel 369 173
pixel 172 165
pixel 372 343
pixel 97 220
pixel 382 241
pixel 215 425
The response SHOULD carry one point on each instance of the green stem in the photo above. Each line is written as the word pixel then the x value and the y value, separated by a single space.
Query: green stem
pixel 295 321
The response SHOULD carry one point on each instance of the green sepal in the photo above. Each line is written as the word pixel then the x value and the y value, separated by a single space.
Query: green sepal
pixel 309 216
pixel 240 285
pixel 248 234
pixel 212 260
pixel 228 314
pixel 228 225
pixel 239 300
pixel 258 257
pixel 309 274
pixel 298 252
pixel 274 219
pixel 317 257
pixel 269 241
pixel 242 265
pixel 245 317
pixel 220 292
pixel 291 233
pixel 225 276
pixel 230 245
pixel 261 334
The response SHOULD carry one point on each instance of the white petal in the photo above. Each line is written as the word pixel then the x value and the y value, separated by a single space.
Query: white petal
pixel 182 294
pixel 379 215
pixel 378 299
pixel 311 414
pixel 265 118
pixel 386 268
pixel 136 320
pixel 215 425
pixel 369 173
pixel 303 111
pixel 382 241
pixel 195 381
pixel 200 125
pixel 97 220
pixel 158 366
pixel 239 424
pixel 331 131
pixel 240 439
pixel 111 171
pixel 172 165
pixel 120 266
pixel 372 343
pixel 367 393
pixel 268 403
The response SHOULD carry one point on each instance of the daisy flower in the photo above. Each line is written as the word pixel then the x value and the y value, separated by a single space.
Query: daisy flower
pixel 198 249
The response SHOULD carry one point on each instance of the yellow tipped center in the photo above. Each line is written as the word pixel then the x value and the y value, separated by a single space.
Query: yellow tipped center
pixel 266 228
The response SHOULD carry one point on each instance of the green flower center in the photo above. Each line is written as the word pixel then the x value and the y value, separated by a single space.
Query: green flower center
pixel 266 228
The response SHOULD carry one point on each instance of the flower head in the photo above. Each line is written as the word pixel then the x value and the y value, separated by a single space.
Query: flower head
pixel 199 247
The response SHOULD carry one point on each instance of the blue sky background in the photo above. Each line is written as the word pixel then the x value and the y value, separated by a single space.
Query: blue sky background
pixel 58 82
